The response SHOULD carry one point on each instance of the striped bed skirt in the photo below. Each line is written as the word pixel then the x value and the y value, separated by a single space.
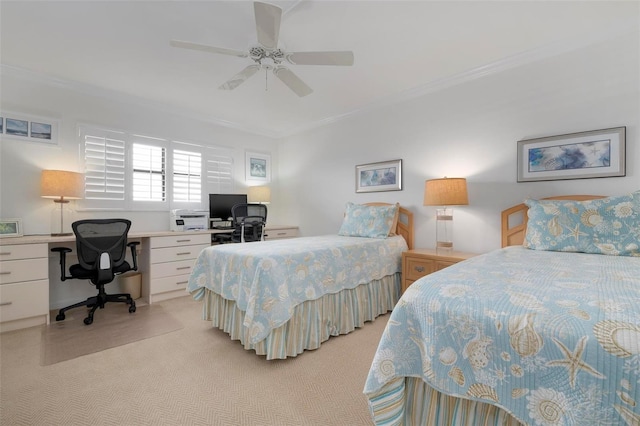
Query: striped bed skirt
pixel 312 322
pixel 410 401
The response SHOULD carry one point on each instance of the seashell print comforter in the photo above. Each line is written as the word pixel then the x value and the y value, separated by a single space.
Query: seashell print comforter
pixel 553 338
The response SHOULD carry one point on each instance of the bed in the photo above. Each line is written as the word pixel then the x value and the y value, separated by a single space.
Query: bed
pixel 282 297
pixel 544 331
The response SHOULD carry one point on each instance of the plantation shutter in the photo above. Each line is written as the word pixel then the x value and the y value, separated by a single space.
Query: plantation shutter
pixel 187 176
pixel 104 159
pixel 219 172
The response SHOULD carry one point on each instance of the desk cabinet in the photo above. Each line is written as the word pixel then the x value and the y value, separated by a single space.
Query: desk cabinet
pixel 280 232
pixel 170 260
pixel 420 262
pixel 24 286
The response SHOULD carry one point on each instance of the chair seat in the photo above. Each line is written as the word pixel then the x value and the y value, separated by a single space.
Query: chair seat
pixel 78 271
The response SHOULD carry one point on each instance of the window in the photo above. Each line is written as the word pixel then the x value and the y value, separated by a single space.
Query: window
pixel 104 155
pixel 187 176
pixel 149 178
pixel 132 172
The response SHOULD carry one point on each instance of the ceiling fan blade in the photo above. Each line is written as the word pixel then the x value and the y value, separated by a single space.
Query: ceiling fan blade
pixel 240 78
pixel 321 58
pixel 267 24
pixel 206 48
pixel 292 81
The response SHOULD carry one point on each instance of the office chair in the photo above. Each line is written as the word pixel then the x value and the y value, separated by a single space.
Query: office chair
pixel 101 245
pixel 249 221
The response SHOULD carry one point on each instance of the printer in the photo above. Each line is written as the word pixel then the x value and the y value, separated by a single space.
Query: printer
pixel 188 220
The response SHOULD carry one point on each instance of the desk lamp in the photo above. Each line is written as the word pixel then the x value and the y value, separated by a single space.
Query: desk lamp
pixel 259 194
pixel 445 192
pixel 61 186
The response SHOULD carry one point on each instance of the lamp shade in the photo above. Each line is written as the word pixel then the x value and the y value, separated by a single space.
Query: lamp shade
pixel 61 184
pixel 446 192
pixel 259 194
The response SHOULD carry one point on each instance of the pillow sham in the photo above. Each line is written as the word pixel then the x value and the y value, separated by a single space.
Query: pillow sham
pixel 368 221
pixel 602 226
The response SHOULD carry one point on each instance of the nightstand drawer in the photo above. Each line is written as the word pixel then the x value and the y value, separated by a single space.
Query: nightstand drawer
pixel 418 268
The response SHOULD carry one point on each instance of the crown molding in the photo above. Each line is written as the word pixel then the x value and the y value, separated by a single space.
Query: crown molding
pixel 504 64
pixel 88 89
pixel 495 67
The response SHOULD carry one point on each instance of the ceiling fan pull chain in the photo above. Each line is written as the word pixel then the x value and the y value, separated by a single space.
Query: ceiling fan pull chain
pixel 266 76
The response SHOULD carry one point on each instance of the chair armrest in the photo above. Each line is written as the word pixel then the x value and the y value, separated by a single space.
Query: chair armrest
pixel 134 254
pixel 63 261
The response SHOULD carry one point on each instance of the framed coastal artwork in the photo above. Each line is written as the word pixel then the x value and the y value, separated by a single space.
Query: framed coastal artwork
pixel 21 127
pixel 382 176
pixel 592 154
pixel 258 167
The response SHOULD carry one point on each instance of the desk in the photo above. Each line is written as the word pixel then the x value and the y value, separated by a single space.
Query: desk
pixel 27 268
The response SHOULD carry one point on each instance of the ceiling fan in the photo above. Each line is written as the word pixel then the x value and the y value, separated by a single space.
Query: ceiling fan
pixel 268 29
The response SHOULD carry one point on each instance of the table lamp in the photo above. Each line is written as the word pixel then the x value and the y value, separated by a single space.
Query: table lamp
pixel 61 186
pixel 445 192
pixel 259 194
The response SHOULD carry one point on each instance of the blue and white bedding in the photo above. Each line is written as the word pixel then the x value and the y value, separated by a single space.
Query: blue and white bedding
pixel 268 279
pixel 552 338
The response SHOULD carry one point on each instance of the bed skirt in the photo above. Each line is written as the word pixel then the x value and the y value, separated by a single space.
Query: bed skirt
pixel 410 401
pixel 312 322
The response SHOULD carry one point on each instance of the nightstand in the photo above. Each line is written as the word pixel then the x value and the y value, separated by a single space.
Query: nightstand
pixel 420 262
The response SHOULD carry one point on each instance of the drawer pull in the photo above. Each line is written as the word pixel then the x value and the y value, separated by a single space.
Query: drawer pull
pixel 183 267
pixel 5 253
pixel 5 303
pixel 5 272
pixel 183 241
pixel 282 233
pixel 419 268
pixel 183 253
pixel 181 282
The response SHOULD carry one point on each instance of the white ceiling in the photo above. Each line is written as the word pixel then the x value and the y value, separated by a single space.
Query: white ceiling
pixel 401 48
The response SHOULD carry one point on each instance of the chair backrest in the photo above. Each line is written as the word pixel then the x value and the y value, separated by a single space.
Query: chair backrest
pixel 249 220
pixel 97 236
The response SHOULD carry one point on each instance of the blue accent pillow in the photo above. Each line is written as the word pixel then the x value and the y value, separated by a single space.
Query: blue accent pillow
pixel 368 221
pixel 603 226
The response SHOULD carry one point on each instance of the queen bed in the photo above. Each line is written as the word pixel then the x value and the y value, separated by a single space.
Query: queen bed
pixel 282 297
pixel 545 331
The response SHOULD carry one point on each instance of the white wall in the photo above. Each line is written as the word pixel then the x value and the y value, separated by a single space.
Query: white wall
pixel 471 131
pixel 21 162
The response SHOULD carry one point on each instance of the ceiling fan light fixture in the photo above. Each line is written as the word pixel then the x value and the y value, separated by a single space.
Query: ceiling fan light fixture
pixel 268 18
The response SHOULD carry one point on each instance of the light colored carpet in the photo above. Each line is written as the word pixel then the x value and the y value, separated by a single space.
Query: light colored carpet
pixel 112 326
pixel 192 376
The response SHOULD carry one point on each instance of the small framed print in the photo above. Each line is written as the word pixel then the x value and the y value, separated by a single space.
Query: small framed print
pixel 11 228
pixel 258 167
pixel 14 126
pixel 382 176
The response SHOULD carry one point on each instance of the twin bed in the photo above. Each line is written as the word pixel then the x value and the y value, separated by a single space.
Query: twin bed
pixel 282 297
pixel 545 331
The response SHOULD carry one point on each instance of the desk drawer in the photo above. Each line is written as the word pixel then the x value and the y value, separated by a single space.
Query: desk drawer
pixel 169 269
pixel 165 284
pixel 275 234
pixel 183 239
pixel 14 271
pixel 23 251
pixel 24 300
pixel 171 254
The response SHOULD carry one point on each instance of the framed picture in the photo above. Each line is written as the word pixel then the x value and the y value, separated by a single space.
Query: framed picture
pixel 592 154
pixel 258 167
pixel 28 128
pixel 10 228
pixel 382 176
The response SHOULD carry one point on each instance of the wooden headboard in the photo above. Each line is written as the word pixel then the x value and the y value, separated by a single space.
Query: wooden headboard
pixel 513 235
pixel 405 223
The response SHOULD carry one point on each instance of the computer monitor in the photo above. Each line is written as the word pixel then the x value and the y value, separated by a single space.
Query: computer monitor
pixel 220 205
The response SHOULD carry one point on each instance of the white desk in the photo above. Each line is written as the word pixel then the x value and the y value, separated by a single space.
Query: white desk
pixel 28 270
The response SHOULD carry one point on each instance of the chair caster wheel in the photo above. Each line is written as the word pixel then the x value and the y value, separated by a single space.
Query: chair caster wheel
pixel 88 320
pixel 132 308
pixel 59 317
